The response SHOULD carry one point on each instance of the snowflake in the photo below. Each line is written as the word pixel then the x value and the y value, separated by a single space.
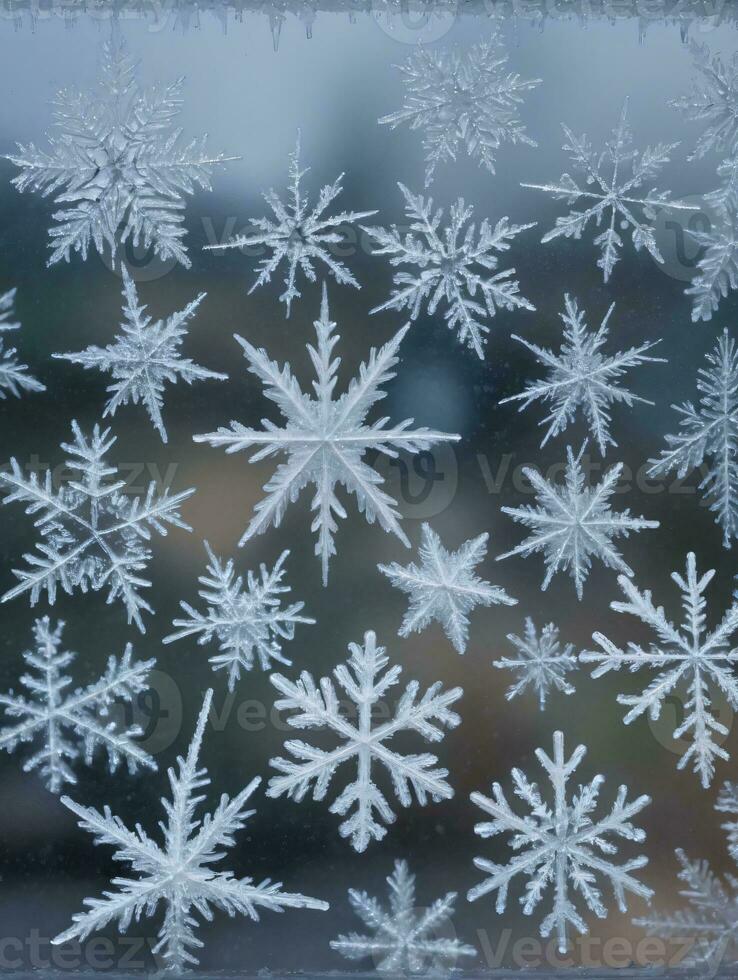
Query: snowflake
pixel 145 357
pixel 574 523
pixel 450 270
pixel 559 843
pixel 14 377
pixel 247 622
pixel 580 376
pixel 405 939
pixel 119 165
pixel 463 100
pixel 365 682
pixel 178 874
pixel 325 439
pixel 714 99
pixel 300 236
pixel 709 431
pixel 445 587
pixel 612 193
pixel 93 535
pixel 690 659
pixel 540 664
pixel 51 709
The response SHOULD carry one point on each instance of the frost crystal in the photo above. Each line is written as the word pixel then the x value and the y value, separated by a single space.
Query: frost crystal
pixel 709 432
pixel 119 165
pixel 452 267
pixel 574 523
pixel 613 193
pixel 559 843
pixel 93 535
pixel 14 377
pixel 718 258
pixel 366 683
pixel 691 659
pixel 541 663
pixel 445 587
pixel 714 100
pixel 300 236
pixel 66 722
pixel 325 439
pixel 582 377
pixel 178 874
pixel 405 938
pixel 145 357
pixel 463 100
pixel 247 622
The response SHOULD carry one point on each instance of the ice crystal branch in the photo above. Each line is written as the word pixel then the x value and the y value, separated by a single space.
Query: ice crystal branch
pixel 14 376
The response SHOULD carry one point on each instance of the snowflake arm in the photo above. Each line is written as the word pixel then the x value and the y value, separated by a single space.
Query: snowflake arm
pixel 541 662
pixel 14 376
pixel 712 100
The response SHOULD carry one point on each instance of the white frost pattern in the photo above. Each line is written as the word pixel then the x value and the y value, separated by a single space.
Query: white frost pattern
pixel 712 100
pixel 179 873
pixel 366 681
pixel 14 376
pixel 560 843
pixel 69 724
pixel 541 662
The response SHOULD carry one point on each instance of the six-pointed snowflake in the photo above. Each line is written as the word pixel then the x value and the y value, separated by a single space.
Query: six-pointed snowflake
pixel 299 235
pixel 463 100
pixel 559 843
pixel 454 266
pixel 179 873
pixel 582 377
pixel 66 722
pixel 541 662
pixel 445 587
pixel 614 198
pixel 325 438
pixel 366 682
pixel 14 376
pixel 93 536
pixel 690 659
pixel 247 621
pixel 713 100
pixel 404 938
pixel 574 523
pixel 117 169
pixel 145 357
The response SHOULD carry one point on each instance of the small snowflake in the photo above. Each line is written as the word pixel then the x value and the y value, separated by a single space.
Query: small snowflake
pixel 445 587
pixel 582 377
pixel 541 662
pixel 300 236
pixel 93 535
pixel 613 193
pixel 690 658
pixel 14 376
pixel 574 523
pixel 366 682
pixel 325 438
pixel 460 273
pixel 145 357
pixel 246 622
pixel 559 843
pixel 714 100
pixel 178 874
pixel 55 716
pixel 463 100
pixel 404 938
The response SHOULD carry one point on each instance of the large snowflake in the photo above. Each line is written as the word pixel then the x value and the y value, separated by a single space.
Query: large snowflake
pixel 713 100
pixel 93 535
pixel 455 267
pixel 574 523
pixel 559 843
pixel 301 236
pixel 179 873
pixel 64 721
pixel 117 169
pixel 445 587
pixel 612 197
pixel 404 938
pixel 247 620
pixel 14 376
pixel 709 437
pixel 325 438
pixel 365 680
pixel 582 378
pixel 463 100
pixel 691 658
pixel 541 662
pixel 145 357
